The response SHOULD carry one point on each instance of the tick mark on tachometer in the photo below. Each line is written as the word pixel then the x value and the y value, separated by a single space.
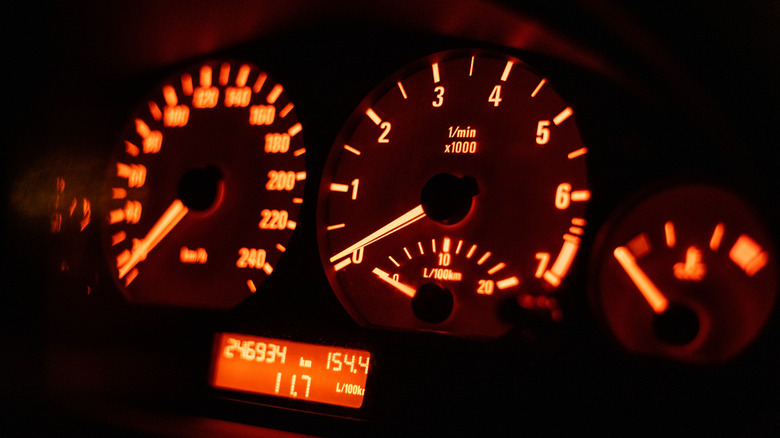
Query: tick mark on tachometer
pixel 373 116
pixel 560 118
pixel 403 91
pixel 507 69
pixel 577 153
pixel 351 149
pixel 538 87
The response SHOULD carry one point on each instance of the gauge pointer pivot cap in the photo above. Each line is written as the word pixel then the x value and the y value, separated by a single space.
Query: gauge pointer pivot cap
pixel 447 199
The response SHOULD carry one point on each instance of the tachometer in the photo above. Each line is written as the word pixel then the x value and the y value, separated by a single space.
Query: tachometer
pixel 456 189
pixel 205 189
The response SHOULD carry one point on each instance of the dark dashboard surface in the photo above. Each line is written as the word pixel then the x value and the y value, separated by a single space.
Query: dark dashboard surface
pixel 664 95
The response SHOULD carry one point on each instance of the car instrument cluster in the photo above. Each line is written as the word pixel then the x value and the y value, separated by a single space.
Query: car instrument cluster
pixel 457 232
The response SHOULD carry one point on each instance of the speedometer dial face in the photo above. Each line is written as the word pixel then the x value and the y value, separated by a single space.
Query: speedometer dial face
pixel 456 191
pixel 205 188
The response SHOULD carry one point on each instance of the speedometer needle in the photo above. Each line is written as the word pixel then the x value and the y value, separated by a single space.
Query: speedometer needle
pixel 402 221
pixel 141 248
pixel 408 290
pixel 654 297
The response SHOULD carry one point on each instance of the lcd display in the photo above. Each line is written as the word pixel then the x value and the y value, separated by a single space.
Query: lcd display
pixel 296 370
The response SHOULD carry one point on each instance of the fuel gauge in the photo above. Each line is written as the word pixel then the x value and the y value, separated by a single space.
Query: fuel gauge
pixel 688 274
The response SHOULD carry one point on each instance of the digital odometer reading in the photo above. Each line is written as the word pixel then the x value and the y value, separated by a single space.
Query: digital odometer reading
pixel 316 373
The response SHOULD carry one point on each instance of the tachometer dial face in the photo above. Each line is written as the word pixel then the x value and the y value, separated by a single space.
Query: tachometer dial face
pixel 205 188
pixel 457 188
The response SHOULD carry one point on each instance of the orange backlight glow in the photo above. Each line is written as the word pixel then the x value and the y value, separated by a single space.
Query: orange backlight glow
pixel 316 373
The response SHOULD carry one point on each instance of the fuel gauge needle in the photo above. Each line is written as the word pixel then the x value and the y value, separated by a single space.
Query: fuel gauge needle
pixel 141 248
pixel 654 297
pixel 406 289
pixel 402 221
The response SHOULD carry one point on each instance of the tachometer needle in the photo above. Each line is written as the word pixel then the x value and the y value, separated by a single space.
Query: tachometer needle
pixel 405 219
pixel 141 248
pixel 408 290
pixel 654 297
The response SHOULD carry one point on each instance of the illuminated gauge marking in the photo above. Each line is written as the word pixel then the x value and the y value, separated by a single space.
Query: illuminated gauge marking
pixel 205 189
pixel 577 153
pixel 280 368
pixel 687 274
pixel 445 159
pixel 436 269
pixel 562 263
pixel 538 87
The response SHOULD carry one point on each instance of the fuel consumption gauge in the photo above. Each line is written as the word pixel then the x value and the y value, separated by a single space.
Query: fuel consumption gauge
pixel 205 188
pixel 456 189
pixel 688 274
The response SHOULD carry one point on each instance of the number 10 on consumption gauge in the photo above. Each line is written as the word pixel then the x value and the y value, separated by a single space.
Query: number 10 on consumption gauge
pixel 316 373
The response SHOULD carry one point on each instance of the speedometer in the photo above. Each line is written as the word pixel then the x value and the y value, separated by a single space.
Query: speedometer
pixel 205 188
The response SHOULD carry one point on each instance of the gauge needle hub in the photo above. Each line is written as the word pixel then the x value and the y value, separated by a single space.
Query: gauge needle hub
pixel 654 297
pixel 402 221
pixel 141 248
pixel 406 289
